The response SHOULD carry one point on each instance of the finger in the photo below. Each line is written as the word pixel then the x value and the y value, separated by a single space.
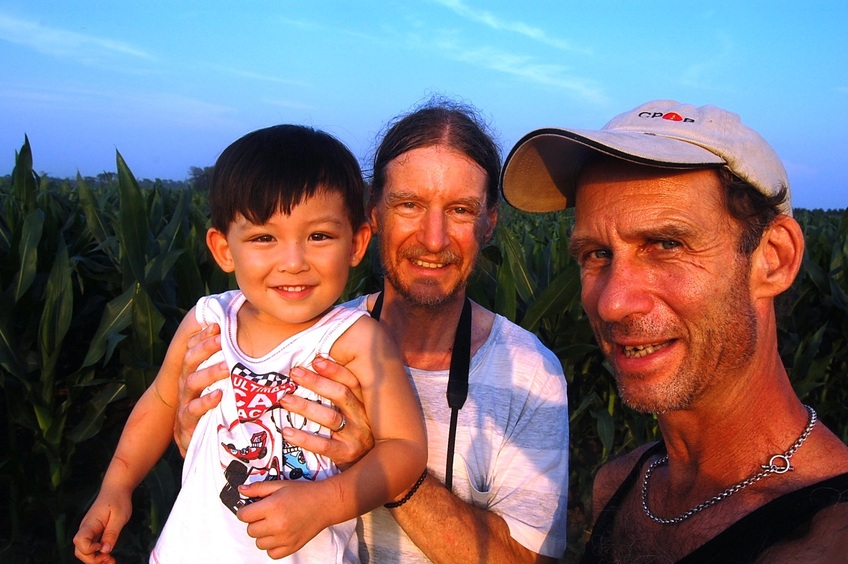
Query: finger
pixel 203 335
pixel 109 539
pixel 87 539
pixel 86 551
pixel 199 406
pixel 346 398
pixel 323 414
pixel 337 373
pixel 198 381
pixel 198 351
pixel 87 557
pixel 342 448
pixel 256 511
pixel 192 405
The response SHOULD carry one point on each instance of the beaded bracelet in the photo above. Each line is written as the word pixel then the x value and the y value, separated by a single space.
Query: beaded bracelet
pixel 409 494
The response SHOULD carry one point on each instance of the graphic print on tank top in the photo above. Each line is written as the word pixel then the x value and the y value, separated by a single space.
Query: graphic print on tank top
pixel 252 447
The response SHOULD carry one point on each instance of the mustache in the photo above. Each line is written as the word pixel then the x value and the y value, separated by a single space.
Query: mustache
pixel 628 327
pixel 443 257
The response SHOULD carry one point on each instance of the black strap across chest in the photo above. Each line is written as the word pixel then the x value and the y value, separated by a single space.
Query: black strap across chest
pixel 457 390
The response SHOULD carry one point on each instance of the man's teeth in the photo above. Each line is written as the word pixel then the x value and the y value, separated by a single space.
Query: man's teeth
pixel 424 264
pixel 639 351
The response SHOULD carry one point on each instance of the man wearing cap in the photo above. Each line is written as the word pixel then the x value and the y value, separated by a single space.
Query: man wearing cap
pixel 684 235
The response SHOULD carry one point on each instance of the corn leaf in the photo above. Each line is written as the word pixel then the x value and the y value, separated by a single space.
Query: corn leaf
pixel 132 218
pixel 56 316
pixel 28 250
pixel 95 412
pixel 116 317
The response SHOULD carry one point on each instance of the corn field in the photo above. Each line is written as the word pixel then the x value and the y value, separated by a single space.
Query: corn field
pixel 95 279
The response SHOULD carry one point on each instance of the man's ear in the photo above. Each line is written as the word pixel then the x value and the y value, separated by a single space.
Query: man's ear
pixel 361 238
pixel 492 218
pixel 220 249
pixel 373 219
pixel 777 260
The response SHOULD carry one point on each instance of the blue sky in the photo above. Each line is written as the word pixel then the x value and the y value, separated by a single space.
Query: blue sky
pixel 170 85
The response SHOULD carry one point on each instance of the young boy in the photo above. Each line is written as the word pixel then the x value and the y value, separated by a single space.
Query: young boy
pixel 288 220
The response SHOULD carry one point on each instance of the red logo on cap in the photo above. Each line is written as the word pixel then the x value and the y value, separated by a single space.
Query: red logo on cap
pixel 673 116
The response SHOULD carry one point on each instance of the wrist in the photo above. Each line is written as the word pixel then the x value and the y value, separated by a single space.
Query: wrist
pixel 409 494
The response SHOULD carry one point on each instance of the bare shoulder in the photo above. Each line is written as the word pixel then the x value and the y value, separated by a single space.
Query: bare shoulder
pixel 364 332
pixel 366 345
pixel 611 475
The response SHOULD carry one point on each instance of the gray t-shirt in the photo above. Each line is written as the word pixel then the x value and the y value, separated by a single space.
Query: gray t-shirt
pixel 511 444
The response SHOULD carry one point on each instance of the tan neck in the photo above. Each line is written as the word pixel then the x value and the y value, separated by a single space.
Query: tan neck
pixel 425 335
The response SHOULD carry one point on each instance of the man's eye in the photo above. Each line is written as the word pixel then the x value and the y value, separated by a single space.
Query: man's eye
pixel 595 257
pixel 600 254
pixel 669 245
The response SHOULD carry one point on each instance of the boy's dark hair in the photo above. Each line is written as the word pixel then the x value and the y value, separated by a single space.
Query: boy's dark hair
pixel 276 168
pixel 439 122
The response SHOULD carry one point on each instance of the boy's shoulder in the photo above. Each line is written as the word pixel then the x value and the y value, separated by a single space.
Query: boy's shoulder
pixel 365 337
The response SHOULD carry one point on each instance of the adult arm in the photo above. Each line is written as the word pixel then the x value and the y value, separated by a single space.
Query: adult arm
pixel 447 529
pixel 442 525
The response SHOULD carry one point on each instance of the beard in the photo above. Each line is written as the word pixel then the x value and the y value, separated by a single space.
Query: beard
pixel 428 293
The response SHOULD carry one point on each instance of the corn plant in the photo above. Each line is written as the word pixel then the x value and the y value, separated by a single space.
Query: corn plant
pixel 95 277
pixel 91 287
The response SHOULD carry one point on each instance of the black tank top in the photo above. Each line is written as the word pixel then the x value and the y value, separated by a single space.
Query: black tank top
pixel 784 518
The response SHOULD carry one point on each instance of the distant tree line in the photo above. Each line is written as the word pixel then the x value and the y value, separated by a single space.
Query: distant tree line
pixel 199 179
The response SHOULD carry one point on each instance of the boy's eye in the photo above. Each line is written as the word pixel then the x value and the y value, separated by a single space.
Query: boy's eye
pixel 263 239
pixel 319 237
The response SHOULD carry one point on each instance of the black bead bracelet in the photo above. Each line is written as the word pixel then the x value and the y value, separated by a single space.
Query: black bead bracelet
pixel 409 494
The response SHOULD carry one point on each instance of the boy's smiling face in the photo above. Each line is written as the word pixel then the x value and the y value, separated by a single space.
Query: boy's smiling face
pixel 293 268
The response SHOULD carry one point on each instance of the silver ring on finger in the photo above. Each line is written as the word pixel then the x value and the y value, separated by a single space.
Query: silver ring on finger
pixel 342 425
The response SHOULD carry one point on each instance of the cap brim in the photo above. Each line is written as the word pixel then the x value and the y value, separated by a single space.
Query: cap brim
pixel 540 173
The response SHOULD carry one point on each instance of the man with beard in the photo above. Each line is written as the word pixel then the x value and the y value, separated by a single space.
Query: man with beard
pixel 496 485
pixel 684 234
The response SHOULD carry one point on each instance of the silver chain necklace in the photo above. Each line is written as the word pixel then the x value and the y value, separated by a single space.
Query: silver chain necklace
pixel 778 464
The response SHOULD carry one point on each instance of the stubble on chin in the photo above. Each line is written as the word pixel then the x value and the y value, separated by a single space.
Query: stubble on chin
pixel 429 295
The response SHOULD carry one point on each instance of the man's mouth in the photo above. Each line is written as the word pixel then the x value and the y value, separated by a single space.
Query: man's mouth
pixel 425 264
pixel 638 351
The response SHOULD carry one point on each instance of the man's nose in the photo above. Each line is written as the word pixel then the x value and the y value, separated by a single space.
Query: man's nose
pixel 624 289
pixel 433 233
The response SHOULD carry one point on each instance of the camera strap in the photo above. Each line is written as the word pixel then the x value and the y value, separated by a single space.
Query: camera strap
pixel 457 390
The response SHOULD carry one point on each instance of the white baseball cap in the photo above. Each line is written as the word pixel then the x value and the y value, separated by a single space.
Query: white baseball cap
pixel 540 172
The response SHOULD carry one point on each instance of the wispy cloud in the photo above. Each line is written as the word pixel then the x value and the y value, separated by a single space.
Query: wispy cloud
pixel 541 73
pixel 288 104
pixel 522 67
pixel 63 43
pixel 120 106
pixel 261 77
pixel 494 22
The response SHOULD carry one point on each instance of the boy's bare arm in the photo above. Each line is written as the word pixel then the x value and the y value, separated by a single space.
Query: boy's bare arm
pixel 145 437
